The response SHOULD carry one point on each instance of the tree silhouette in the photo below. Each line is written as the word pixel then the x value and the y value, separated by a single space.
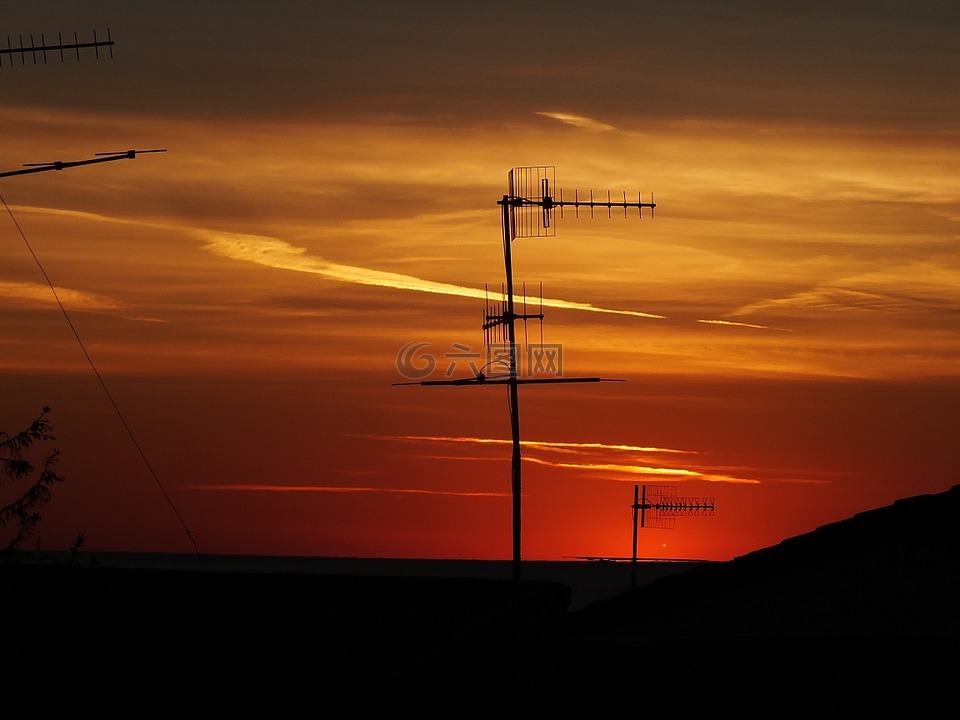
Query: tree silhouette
pixel 23 514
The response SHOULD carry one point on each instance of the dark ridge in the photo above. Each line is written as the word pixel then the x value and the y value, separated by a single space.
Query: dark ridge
pixel 892 572
pixel 857 616
pixel 139 641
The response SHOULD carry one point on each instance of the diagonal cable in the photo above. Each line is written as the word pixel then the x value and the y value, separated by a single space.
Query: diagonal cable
pixel 96 372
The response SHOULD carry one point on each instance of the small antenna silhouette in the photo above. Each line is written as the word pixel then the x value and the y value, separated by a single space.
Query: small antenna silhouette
pixel 62 165
pixel 527 210
pixel 37 52
pixel 663 507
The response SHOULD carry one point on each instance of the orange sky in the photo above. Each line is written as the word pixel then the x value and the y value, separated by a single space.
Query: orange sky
pixel 786 325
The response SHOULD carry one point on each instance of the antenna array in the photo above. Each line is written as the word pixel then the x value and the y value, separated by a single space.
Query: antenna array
pixel 496 319
pixel 533 204
pixel 527 210
pixel 664 507
pixel 38 52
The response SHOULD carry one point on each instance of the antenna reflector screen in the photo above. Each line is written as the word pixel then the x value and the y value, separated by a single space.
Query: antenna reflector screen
pixel 531 201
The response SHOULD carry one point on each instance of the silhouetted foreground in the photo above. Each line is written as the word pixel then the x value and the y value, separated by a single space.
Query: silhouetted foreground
pixel 861 613
pixel 890 573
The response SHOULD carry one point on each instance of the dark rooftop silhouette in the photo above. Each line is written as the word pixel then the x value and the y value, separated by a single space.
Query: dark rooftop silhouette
pixel 889 572
pixel 861 612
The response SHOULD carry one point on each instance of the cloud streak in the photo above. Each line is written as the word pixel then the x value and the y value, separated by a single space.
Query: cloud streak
pixel 578 121
pixel 275 253
pixel 913 288
pixel 734 324
pixel 630 470
pixel 39 294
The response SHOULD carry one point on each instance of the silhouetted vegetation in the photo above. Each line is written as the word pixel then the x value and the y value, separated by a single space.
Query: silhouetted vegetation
pixel 21 517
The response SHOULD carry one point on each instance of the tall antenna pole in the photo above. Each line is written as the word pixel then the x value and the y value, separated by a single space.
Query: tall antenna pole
pixel 514 401
pixel 527 210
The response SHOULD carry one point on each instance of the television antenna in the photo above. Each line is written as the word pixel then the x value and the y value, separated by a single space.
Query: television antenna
pixel 33 50
pixel 62 165
pixel 527 210
pixel 664 507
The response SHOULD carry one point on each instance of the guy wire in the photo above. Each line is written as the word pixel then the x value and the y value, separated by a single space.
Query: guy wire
pixel 96 372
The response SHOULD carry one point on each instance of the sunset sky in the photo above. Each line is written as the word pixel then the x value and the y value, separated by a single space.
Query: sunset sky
pixel 228 319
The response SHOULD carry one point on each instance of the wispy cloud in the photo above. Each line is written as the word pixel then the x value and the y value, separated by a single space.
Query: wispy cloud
pixel 916 287
pixel 735 324
pixel 39 294
pixel 591 450
pixel 578 121
pixel 275 253
pixel 665 473
pixel 823 298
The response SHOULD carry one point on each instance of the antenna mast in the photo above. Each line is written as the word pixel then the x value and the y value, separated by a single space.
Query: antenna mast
pixel 527 210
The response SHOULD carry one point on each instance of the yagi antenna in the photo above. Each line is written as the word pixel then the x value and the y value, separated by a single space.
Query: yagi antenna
pixel 62 165
pixel 533 204
pixel 527 210
pixel 38 51
pixel 659 509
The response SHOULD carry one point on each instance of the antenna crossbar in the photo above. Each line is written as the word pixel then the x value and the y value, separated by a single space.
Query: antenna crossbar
pixel 609 204
pixel 506 379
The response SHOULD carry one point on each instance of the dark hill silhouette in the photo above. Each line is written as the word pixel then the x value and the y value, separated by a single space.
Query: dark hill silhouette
pixel 859 615
pixel 890 572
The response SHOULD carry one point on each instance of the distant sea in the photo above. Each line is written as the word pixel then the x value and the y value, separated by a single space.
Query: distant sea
pixel 590 579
